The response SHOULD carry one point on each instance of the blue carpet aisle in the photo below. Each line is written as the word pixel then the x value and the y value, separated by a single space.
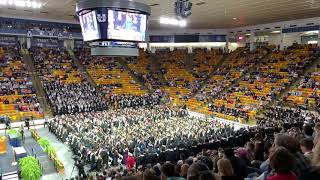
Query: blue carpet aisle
pixel 32 147
pixel 63 153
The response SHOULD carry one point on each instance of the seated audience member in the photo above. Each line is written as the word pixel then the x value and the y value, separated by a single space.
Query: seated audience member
pixel 225 170
pixel 314 172
pixel 316 155
pixel 283 163
pixel 306 146
pixel 168 172
pixel 149 175
pixel 258 154
pixel 207 161
pixel 250 150
pixel 184 170
pixel 316 133
pixel 292 145
pixel 308 131
pixel 238 165
pixel 199 171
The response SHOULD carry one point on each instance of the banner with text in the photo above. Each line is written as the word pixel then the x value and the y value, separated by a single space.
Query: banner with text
pixel 8 41
pixel 46 43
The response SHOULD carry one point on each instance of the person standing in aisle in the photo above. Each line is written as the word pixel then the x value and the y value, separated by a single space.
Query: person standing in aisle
pixel 22 133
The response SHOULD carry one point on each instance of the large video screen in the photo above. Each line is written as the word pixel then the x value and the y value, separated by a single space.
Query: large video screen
pixel 89 26
pixel 126 26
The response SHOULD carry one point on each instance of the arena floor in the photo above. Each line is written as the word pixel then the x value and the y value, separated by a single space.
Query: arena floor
pixel 49 172
pixel 63 151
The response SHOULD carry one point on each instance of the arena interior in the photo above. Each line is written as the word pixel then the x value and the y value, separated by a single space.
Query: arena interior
pixel 160 89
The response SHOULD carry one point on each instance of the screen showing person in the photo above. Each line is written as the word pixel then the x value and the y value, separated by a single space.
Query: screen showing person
pixel 89 26
pixel 126 26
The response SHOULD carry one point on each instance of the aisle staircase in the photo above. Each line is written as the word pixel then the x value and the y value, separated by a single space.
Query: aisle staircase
pixel 295 82
pixel 122 62
pixel 82 69
pixel 189 62
pixel 40 92
pixel 156 66
pixel 253 68
pixel 214 69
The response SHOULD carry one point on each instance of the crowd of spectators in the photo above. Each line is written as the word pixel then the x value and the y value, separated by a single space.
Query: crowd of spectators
pixel 65 87
pixel 125 101
pixel 109 75
pixel 141 67
pixel 262 85
pixel 14 75
pixel 21 24
pixel 74 98
pixel 16 86
pixel 164 143
pixel 147 134
pixel 306 94
pixel 180 81
pixel 238 63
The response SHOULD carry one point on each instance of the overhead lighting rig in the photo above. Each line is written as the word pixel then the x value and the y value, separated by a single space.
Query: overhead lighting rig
pixel 183 8
pixel 21 3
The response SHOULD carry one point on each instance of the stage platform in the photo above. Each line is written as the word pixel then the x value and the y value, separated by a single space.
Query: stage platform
pixel 7 159
pixel 32 148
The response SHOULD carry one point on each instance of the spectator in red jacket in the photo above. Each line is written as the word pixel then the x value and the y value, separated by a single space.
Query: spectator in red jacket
pixel 130 162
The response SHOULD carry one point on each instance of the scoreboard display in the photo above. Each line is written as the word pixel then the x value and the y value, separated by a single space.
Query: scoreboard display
pixel 126 26
pixel 107 24
pixel 89 26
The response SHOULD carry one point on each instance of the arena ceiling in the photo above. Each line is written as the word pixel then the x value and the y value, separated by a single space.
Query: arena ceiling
pixel 206 14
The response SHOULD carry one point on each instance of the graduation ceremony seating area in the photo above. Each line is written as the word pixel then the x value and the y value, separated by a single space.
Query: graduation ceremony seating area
pixel 180 82
pixel 17 95
pixel 141 67
pixel 308 91
pixel 109 75
pixel 66 88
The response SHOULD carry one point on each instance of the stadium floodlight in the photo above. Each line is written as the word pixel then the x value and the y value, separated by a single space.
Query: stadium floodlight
pixel 312 32
pixel 3 2
pixel 34 4
pixel 275 32
pixel 183 23
pixel 172 21
pixel 22 3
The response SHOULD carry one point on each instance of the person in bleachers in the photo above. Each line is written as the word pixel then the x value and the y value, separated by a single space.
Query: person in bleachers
pixel 292 145
pixel 225 170
pixel 283 164
pixel 306 146
pixel 199 171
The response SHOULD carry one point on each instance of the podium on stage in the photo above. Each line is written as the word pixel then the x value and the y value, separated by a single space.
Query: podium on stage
pixel 19 153
pixel 3 144
pixel 14 140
